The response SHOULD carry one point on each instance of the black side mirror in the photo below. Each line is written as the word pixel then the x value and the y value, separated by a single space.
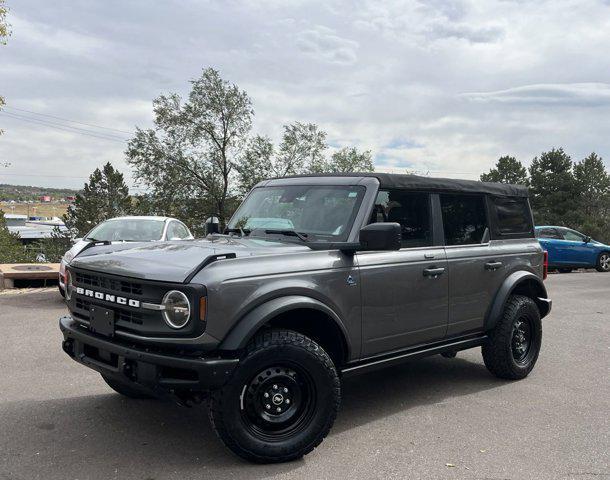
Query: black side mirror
pixel 587 239
pixel 212 225
pixel 380 236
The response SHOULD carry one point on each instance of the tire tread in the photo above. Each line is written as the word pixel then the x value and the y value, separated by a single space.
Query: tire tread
pixel 261 342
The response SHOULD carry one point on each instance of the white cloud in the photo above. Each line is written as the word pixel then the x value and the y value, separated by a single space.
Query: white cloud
pixel 429 85
pixel 570 94
pixel 323 43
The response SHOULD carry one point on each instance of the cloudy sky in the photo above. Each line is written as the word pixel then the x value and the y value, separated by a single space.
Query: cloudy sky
pixel 444 87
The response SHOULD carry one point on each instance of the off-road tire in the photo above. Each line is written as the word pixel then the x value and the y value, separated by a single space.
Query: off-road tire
pixel 126 390
pixel 599 264
pixel 266 355
pixel 498 351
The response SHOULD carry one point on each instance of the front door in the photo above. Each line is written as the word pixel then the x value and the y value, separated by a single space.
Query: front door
pixel 404 293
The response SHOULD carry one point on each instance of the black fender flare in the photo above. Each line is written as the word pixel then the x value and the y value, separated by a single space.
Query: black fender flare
pixel 246 328
pixel 535 289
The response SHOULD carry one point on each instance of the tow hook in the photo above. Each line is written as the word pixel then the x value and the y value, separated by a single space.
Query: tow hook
pixel 68 346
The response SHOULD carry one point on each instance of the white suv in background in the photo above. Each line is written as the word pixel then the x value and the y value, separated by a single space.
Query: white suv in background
pixel 127 229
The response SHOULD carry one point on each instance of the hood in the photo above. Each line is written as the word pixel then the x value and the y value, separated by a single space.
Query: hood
pixel 173 261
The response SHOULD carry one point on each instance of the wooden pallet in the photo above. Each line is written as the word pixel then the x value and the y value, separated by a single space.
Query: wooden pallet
pixel 9 272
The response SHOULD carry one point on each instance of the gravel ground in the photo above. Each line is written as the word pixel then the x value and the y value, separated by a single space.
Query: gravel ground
pixel 430 419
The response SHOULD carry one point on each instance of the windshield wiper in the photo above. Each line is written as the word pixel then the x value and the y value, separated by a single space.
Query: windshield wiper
pixel 289 233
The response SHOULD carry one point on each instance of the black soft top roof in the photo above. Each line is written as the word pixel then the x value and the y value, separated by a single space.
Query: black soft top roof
pixel 415 182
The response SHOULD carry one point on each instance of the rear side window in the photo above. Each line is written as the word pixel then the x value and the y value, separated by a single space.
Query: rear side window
pixel 464 219
pixel 411 210
pixel 512 216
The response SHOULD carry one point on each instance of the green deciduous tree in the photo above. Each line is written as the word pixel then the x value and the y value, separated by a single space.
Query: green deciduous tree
pixel 553 188
pixel 105 196
pixel 256 165
pixel 301 151
pixel 507 170
pixel 192 150
pixel 349 159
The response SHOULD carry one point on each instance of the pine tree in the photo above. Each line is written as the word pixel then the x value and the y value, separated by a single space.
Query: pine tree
pixel 105 196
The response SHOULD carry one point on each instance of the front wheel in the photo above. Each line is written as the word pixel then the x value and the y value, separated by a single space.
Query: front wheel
pixel 603 262
pixel 514 344
pixel 281 401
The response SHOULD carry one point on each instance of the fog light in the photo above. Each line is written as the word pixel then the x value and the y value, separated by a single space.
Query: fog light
pixel 177 309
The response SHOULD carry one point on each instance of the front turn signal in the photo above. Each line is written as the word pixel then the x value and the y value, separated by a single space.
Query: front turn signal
pixel 203 307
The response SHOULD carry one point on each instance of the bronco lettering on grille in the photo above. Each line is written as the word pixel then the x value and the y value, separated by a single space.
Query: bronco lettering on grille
pixel 108 297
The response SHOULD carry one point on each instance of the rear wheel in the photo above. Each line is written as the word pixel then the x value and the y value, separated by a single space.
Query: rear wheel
pixel 125 389
pixel 282 400
pixel 603 262
pixel 514 343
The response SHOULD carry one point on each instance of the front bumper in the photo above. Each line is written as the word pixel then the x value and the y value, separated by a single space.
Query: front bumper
pixel 160 374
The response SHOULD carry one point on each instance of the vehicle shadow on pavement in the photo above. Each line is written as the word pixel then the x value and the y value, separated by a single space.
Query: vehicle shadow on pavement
pixel 378 394
pixel 103 436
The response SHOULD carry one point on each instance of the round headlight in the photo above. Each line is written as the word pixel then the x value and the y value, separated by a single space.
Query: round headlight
pixel 177 309
pixel 68 284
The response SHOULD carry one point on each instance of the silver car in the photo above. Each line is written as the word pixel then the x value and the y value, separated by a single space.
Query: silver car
pixel 126 229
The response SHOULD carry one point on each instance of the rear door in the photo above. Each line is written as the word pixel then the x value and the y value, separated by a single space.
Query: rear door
pixel 476 270
pixel 404 293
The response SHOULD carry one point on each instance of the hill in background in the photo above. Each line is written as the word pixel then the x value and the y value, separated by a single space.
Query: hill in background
pixel 23 193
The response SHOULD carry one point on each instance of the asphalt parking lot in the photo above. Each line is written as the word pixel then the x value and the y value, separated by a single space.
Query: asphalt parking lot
pixel 430 419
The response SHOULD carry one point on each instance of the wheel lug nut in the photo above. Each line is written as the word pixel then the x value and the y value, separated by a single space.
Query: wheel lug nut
pixel 285 390
pixel 287 401
pixel 279 409
pixel 267 406
pixel 274 387
pixel 266 395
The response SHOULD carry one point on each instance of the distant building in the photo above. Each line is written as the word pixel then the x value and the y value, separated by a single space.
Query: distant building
pixel 45 198
pixel 70 198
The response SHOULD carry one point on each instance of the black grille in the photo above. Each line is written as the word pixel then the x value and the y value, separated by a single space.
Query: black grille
pixel 87 279
pixel 120 314
pixel 131 318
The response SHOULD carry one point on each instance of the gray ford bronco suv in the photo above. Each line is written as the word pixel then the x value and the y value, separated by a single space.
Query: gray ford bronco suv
pixel 315 278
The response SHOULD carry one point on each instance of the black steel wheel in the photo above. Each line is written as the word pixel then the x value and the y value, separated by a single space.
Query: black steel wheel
pixel 281 401
pixel 521 341
pixel 514 344
pixel 278 402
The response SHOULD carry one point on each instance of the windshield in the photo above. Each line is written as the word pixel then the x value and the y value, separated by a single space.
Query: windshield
pixel 322 213
pixel 128 230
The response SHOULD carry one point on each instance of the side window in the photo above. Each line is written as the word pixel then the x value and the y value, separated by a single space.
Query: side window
pixel 464 219
pixel 512 216
pixel 411 210
pixel 572 236
pixel 548 233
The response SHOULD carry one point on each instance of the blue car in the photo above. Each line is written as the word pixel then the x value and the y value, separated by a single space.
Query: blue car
pixel 569 249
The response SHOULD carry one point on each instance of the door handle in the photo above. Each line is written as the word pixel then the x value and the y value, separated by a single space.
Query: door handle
pixel 433 272
pixel 493 265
